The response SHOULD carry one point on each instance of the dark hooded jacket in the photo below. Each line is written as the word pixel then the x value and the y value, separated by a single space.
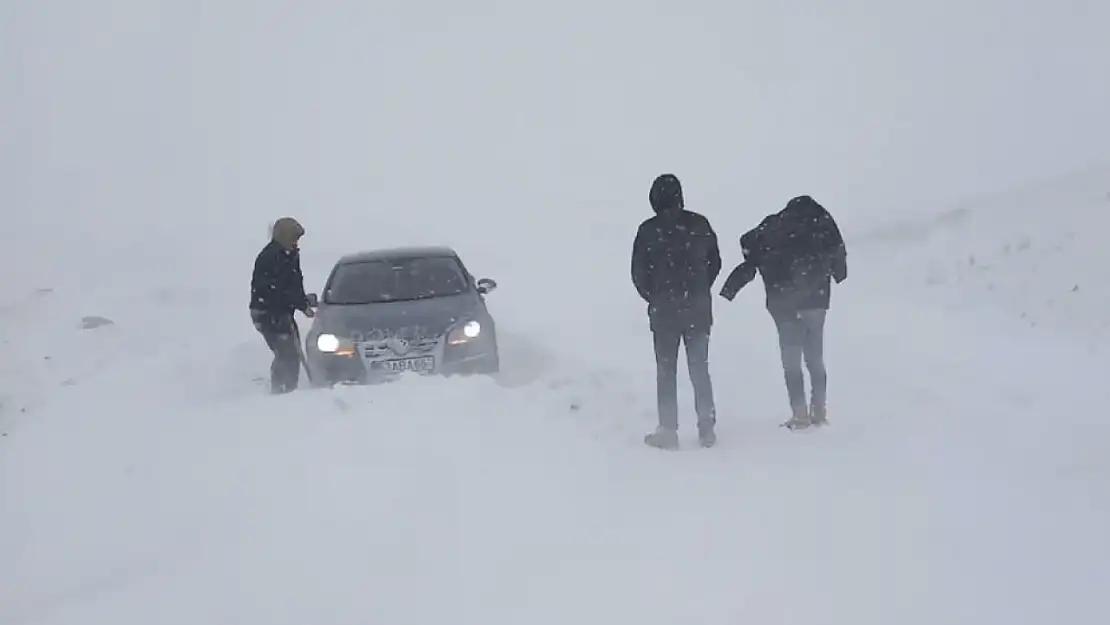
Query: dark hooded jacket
pixel 797 251
pixel 277 284
pixel 675 261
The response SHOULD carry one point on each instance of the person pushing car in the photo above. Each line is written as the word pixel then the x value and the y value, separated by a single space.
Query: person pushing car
pixel 277 292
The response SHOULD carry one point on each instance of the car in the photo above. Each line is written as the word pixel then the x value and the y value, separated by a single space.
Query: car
pixel 388 312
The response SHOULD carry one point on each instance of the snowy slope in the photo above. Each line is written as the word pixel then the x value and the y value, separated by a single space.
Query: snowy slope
pixel 961 482
pixel 144 477
pixel 1035 255
pixel 161 473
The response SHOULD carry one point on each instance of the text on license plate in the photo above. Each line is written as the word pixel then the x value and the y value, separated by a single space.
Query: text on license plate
pixel 424 363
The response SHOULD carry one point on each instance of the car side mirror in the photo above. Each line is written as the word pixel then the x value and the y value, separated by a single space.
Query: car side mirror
pixel 485 285
pixel 313 300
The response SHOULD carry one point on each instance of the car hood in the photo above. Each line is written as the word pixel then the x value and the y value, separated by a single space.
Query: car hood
pixel 409 319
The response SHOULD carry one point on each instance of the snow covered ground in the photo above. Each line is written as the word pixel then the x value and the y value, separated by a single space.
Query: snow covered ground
pixel 1036 254
pixel 962 481
pixel 145 478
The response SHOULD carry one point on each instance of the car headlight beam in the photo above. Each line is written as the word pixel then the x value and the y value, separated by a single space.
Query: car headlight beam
pixel 327 343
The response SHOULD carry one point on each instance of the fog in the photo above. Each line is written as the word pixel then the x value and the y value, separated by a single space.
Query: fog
pixel 148 145
pixel 524 133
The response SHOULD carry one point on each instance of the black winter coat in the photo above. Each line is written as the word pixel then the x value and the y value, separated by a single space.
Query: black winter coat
pixel 797 251
pixel 277 284
pixel 675 261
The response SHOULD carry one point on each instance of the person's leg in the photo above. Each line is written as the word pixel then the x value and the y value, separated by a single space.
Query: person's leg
pixel 697 361
pixel 288 362
pixel 278 333
pixel 791 336
pixel 813 350
pixel 666 382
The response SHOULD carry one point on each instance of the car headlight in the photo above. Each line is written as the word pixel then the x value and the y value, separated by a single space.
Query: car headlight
pixel 465 333
pixel 472 329
pixel 327 343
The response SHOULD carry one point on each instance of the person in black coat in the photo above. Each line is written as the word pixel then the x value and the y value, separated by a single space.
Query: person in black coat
pixel 798 251
pixel 675 261
pixel 277 291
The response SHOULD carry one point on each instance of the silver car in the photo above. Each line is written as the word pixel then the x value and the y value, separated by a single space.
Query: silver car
pixel 401 310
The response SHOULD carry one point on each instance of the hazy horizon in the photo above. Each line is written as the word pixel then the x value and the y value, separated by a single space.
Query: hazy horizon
pixel 203 121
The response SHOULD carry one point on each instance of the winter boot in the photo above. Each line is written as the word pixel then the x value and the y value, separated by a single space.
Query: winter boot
pixel 818 416
pixel 662 438
pixel 707 437
pixel 800 420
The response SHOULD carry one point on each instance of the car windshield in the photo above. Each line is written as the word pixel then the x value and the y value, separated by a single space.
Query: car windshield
pixel 396 280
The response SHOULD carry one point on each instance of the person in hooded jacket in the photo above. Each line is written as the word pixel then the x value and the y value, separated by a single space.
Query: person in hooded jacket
pixel 675 261
pixel 797 251
pixel 277 291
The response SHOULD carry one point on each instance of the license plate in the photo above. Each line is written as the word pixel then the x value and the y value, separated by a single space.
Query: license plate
pixel 419 365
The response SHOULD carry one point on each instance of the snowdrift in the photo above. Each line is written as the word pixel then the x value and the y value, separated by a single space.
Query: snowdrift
pixel 960 481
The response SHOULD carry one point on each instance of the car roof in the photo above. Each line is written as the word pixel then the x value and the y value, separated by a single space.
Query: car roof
pixel 397 253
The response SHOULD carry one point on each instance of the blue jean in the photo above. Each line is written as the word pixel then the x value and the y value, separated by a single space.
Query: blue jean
pixel 802 335
pixel 666 366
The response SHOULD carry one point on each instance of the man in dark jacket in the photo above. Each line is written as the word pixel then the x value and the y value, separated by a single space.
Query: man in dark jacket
pixel 675 260
pixel 797 251
pixel 277 290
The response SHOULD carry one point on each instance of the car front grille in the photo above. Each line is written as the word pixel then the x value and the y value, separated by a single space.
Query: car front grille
pixel 401 348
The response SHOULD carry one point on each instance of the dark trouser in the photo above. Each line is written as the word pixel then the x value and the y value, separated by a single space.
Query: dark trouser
pixel 666 367
pixel 281 336
pixel 802 334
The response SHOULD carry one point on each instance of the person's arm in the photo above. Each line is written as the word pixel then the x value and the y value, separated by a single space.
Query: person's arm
pixel 641 266
pixel 745 272
pixel 713 257
pixel 295 294
pixel 834 247
pixel 264 280
pixel 839 255
pixel 738 279
pixel 750 245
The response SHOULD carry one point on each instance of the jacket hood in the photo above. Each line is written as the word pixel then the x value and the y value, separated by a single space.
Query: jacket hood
pixel 666 194
pixel 287 231
pixel 803 206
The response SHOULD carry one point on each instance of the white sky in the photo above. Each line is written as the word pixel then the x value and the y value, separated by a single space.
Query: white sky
pixel 206 119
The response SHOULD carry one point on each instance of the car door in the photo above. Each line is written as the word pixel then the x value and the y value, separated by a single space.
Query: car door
pixel 474 288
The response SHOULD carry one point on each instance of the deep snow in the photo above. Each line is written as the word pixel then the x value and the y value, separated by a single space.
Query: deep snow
pixel 961 481
pixel 145 478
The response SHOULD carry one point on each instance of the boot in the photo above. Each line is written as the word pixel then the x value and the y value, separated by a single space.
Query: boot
pixel 662 438
pixel 800 420
pixel 818 416
pixel 706 436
